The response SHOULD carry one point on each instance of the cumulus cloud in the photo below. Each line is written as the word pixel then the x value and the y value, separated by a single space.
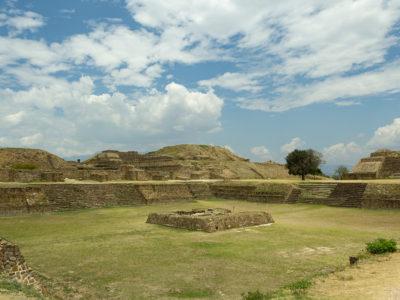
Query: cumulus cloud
pixel 70 115
pixel 295 143
pixel 342 153
pixel 387 136
pixel 126 57
pixel 261 152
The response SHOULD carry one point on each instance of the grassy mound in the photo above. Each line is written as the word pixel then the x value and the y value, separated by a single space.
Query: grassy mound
pixel 29 159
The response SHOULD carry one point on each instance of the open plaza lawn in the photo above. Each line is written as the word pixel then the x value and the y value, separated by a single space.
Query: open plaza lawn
pixel 113 253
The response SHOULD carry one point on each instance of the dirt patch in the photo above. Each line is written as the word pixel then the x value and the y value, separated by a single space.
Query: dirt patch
pixel 373 279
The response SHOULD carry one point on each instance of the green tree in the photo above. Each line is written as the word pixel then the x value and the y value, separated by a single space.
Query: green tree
pixel 340 172
pixel 304 162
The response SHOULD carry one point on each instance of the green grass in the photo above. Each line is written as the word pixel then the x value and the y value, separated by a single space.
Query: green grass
pixel 9 286
pixel 113 253
pixel 22 166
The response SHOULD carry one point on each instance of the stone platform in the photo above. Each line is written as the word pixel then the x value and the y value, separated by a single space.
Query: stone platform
pixel 210 220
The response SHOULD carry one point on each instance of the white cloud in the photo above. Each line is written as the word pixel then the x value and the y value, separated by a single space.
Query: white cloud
pixel 384 80
pixel 387 136
pixel 318 45
pixel 301 37
pixel 200 20
pixel 19 21
pixel 31 140
pixel 13 119
pixel 65 116
pixel 234 81
pixel 307 41
pixel 270 46
pixel 261 152
pixel 295 143
pixel 342 153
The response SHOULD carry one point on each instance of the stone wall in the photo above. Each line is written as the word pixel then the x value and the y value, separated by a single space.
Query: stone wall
pixel 11 175
pixel 263 192
pixel 25 198
pixel 381 196
pixel 390 167
pixel 122 173
pixel 52 197
pixel 13 264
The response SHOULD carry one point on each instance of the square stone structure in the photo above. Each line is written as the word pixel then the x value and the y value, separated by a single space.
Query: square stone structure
pixel 210 220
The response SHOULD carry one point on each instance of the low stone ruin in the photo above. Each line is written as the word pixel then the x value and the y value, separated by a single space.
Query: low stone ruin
pixel 210 220
pixel 13 264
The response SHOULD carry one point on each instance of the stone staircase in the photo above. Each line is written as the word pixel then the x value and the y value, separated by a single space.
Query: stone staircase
pixel 347 195
pixel 315 193
pixel 294 196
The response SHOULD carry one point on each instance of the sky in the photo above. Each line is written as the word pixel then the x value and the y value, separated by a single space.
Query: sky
pixel 260 77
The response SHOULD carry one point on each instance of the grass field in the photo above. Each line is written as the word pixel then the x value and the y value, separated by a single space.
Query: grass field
pixel 113 253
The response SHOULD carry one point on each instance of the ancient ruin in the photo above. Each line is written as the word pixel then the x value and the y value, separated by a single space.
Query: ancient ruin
pixel 380 164
pixel 182 162
pixel 13 264
pixel 210 220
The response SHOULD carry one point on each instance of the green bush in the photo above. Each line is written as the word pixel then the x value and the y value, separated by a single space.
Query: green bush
pixel 380 246
pixel 257 295
pixel 22 166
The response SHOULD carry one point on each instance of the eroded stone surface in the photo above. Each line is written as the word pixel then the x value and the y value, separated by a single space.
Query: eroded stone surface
pixel 13 264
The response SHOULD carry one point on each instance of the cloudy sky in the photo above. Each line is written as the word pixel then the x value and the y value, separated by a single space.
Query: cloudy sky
pixel 262 77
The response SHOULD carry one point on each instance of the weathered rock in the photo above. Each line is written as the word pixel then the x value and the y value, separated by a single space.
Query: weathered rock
pixel 13 264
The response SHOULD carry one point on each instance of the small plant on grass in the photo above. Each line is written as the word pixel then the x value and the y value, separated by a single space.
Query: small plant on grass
pixel 11 286
pixel 380 246
pixel 257 295
pixel 300 287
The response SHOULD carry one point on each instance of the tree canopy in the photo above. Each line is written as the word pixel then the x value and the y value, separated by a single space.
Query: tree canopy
pixel 340 172
pixel 304 162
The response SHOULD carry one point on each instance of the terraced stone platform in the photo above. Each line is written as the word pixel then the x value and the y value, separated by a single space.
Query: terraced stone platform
pixel 210 220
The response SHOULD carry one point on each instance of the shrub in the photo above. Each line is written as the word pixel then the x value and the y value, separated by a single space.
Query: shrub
pixel 380 246
pixel 257 295
pixel 22 166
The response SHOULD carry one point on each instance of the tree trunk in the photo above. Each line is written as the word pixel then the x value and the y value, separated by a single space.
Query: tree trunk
pixel 303 177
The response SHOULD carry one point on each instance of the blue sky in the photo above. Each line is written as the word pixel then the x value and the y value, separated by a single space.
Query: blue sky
pixel 259 77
